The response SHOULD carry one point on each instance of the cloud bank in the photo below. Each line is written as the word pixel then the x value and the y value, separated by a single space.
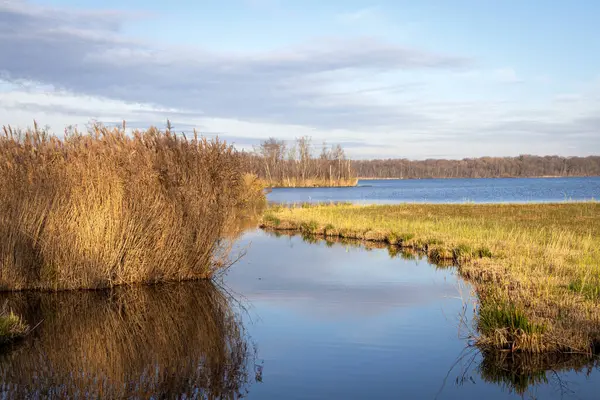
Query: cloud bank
pixel 84 52
pixel 382 99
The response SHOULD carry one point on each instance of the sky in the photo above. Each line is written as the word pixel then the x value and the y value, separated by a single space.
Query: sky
pixel 385 79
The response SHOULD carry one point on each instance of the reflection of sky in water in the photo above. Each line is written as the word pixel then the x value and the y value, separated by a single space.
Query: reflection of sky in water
pixel 449 191
pixel 338 282
pixel 342 322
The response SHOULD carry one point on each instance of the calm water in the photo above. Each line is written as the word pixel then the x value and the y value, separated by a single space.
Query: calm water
pixel 294 319
pixel 342 321
pixel 449 191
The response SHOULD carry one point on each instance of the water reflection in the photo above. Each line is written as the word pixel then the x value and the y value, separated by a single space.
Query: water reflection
pixel 525 375
pixel 520 373
pixel 365 320
pixel 514 373
pixel 392 250
pixel 333 319
pixel 170 340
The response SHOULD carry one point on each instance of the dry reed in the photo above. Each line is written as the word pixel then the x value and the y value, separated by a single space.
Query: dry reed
pixel 106 208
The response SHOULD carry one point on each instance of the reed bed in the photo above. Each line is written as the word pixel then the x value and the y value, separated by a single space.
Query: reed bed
pixel 535 267
pixel 105 208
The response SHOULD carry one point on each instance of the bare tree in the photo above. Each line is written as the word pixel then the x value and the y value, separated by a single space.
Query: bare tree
pixel 296 165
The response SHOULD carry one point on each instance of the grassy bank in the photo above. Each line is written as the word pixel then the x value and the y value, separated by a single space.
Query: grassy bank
pixel 104 208
pixel 535 267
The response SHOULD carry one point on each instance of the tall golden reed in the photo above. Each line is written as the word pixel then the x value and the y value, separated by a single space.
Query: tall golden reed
pixel 105 208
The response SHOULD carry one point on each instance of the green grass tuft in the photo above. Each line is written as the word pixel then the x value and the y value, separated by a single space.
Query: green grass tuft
pixel 497 316
pixel 484 252
pixel 405 237
pixel 462 251
pixel 11 327
pixel 270 219
pixel 590 290
pixel 310 227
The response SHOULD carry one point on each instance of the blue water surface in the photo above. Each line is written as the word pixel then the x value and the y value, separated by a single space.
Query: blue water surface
pixel 339 321
pixel 492 190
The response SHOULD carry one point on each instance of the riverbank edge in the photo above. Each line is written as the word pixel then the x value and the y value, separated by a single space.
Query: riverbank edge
pixel 434 254
pixel 519 335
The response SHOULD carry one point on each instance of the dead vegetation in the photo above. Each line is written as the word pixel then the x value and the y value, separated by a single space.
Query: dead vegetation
pixel 104 208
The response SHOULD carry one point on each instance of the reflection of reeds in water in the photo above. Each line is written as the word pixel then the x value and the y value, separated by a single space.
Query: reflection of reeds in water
pixel 518 372
pixel 157 341
pixel 394 251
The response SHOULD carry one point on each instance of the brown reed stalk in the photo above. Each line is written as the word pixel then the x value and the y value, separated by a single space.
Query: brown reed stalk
pixel 105 208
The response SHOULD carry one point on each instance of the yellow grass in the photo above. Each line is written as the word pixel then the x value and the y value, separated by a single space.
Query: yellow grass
pixel 535 267
pixel 105 208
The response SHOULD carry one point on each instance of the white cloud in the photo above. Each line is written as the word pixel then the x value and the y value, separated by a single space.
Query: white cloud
pixel 452 129
pixel 94 58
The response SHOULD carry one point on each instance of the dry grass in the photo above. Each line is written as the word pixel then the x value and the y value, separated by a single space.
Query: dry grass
pixel 179 340
pixel 536 267
pixel 105 208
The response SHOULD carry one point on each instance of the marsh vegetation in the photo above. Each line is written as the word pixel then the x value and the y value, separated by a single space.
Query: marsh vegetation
pixel 104 208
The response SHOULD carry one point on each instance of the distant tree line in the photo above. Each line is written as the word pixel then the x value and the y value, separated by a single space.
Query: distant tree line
pixel 297 165
pixel 484 167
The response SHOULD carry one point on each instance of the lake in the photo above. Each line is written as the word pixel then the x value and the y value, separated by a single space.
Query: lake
pixel 493 190
pixel 294 318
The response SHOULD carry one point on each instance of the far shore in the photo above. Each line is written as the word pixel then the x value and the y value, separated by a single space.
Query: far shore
pixel 488 177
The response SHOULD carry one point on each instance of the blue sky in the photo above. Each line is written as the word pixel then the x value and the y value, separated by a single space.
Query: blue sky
pixel 415 79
